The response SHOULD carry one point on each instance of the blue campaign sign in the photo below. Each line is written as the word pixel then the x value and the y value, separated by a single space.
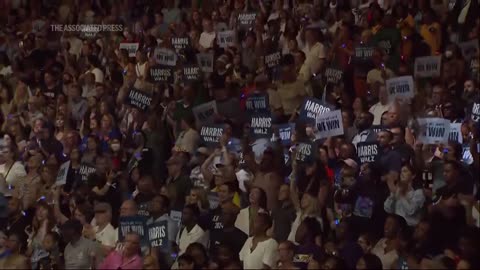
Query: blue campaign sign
pixel 257 103
pixel 285 132
pixel 261 125
pixel 305 152
pixel 158 235
pixel 136 224
pixel 313 107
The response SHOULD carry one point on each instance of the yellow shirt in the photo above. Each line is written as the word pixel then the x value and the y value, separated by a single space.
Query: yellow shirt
pixel 432 35
pixel 291 95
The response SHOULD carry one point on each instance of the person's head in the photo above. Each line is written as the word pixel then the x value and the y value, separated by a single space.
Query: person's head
pixel 187 122
pixel 224 255
pixel 150 262
pixel 190 215
pixel 286 251
pixel 453 151
pixel 284 193
pixel 311 36
pixel 34 162
pixel 364 120
pixel 50 241
pixel 14 206
pixel 267 162
pixel 43 213
pixel 15 242
pixel 469 86
pixel 451 172
pixel 393 225
pixel 438 94
pixel 369 261
pixel 333 262
pixel 377 58
pixel 365 241
pixel 229 214
pixel 258 197
pixel 83 213
pixel 422 231
pixel 288 68
pixel 308 231
pixel 158 205
pixel 263 222
pixel 146 184
pixel 407 174
pixel 107 122
pixel 131 244
pixel 226 191
pixel 198 253
pixel 71 230
pixel 128 208
pixel 103 213
pixel 398 134
pixel 384 138
pixel 185 261
pixel 10 152
pixel 198 195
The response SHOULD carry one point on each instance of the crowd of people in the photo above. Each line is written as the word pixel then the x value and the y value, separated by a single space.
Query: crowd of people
pixel 239 134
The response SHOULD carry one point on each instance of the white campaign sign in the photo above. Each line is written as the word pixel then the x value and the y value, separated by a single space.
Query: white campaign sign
pixel 205 61
pixel 428 66
pixel 433 130
pixel 400 87
pixel 132 48
pixel 204 113
pixel 329 124
pixel 62 174
pixel 455 133
pixel 165 57
pixel 226 38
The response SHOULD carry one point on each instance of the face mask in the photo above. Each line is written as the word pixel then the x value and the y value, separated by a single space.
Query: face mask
pixel 59 123
pixel 115 147
pixel 448 54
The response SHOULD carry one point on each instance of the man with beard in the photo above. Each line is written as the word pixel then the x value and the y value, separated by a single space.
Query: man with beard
pixel 365 133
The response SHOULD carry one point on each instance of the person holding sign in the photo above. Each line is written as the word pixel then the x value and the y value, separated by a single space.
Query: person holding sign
pixel 190 232
pixel 380 73
pixel 126 259
pixel 290 90
pixel 158 208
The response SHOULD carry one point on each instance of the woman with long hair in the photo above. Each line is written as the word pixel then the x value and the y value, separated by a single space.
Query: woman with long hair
pixel 404 199
pixel 12 169
pixel 43 223
pixel 246 218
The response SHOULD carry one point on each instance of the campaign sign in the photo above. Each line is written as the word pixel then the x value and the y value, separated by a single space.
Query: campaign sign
pixel 213 200
pixel 143 209
pixel 62 174
pixel 204 113
pixel 205 62
pixel 246 20
pixel 329 124
pixel 131 48
pixel 86 170
pixel 428 66
pixel 161 73
pixel 305 152
pixel 211 135
pixel 455 134
pixel 136 224
pixel 400 87
pixel 333 75
pixel 367 152
pixel 433 130
pixel 226 39
pixel 469 49
pixel 312 107
pixel 165 57
pixel 476 112
pixel 158 235
pixel 139 99
pixel 257 103
pixel 285 132
pixel 191 73
pixel 180 43
pixel 363 54
pixel 273 60
pixel 261 125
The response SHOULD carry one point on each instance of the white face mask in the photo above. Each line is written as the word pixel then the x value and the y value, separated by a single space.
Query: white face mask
pixel 115 147
pixel 448 54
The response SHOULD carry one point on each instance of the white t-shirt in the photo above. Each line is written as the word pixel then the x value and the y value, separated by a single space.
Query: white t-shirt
pixel 108 236
pixel 98 74
pixel 265 253
pixel 206 39
pixel 313 55
pixel 377 110
pixel 16 173
pixel 196 235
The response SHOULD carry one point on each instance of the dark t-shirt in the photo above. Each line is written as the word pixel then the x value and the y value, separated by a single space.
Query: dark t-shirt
pixel 232 237
pixel 389 160
pixel 283 218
